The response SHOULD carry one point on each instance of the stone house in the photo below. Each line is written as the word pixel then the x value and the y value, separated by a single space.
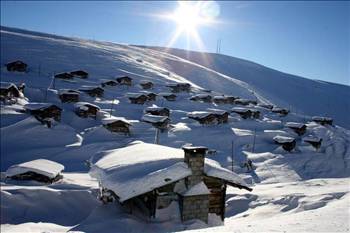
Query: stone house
pixel 9 91
pixel 280 111
pixel 221 115
pixel 18 66
pixel 247 113
pixel 158 111
pixel 64 75
pixel 44 110
pixel 298 128
pixel 151 96
pixel 203 117
pixel 287 143
pixel 117 125
pixel 146 84
pixel 168 96
pixel 197 185
pixel 109 83
pixel 93 91
pixel 322 120
pixel 69 96
pixel 313 141
pixel 179 87
pixel 245 101
pixel 124 80
pixel 160 122
pixel 80 74
pixel 84 109
pixel 137 98
pixel 202 98
pixel 40 170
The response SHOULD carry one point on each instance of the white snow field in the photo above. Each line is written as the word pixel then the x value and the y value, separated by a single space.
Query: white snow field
pixel 307 189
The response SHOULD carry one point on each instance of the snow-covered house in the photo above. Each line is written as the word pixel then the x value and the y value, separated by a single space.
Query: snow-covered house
pixel 84 109
pixel 151 177
pixel 117 124
pixel 145 84
pixel 203 117
pixel 150 95
pixel 64 75
pixel 43 111
pixel 124 80
pixel 41 170
pixel 206 98
pixel 322 120
pixel 313 141
pixel 9 90
pixel 137 98
pixel 245 101
pixel 168 96
pixel 18 66
pixel 221 115
pixel 68 95
pixel 246 113
pixel 179 87
pixel 280 111
pixel 160 122
pixel 93 91
pixel 267 106
pixel 287 143
pixel 80 74
pixel 106 82
pixel 158 111
pixel 298 128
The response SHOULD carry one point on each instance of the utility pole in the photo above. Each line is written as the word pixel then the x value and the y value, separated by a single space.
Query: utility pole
pixel 232 148
pixel 110 113
pixel 218 45
pixel 253 147
pixel 156 139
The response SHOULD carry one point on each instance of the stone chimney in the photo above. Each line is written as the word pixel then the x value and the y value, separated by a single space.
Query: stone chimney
pixel 194 157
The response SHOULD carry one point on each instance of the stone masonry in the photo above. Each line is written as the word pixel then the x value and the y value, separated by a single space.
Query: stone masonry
pixel 195 206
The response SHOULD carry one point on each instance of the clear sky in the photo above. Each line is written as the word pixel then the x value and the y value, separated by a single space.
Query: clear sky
pixel 310 39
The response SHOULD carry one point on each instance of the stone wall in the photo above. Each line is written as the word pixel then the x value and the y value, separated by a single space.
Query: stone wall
pixel 195 207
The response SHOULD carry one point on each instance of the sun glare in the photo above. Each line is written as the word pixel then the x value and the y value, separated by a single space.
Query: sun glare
pixel 189 17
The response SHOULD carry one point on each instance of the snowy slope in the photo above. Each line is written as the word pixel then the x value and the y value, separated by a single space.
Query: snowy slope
pixel 75 140
pixel 310 97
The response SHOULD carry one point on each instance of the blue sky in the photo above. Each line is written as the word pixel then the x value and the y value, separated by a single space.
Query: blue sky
pixel 310 39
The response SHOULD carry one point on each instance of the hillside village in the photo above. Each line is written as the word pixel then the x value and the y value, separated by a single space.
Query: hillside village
pixel 127 137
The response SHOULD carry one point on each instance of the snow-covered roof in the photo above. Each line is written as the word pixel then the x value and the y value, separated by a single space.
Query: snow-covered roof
pixel 283 139
pixel 295 125
pixel 240 110
pixel 6 85
pixel 145 81
pixel 68 91
pixel 201 95
pixel 217 111
pixel 311 138
pixel 37 106
pixel 155 108
pixel 112 119
pixel 107 80
pixel 219 97
pixel 141 167
pixel 135 95
pixel 278 109
pixel 166 94
pixel 84 104
pixel 41 166
pixel 86 88
pixel 154 119
pixel 198 114
pixel 198 189
pixel 320 118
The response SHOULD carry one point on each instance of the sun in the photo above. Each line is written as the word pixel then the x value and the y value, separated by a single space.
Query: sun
pixel 189 17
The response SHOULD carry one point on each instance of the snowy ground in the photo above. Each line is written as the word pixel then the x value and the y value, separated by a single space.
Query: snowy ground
pixel 305 190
